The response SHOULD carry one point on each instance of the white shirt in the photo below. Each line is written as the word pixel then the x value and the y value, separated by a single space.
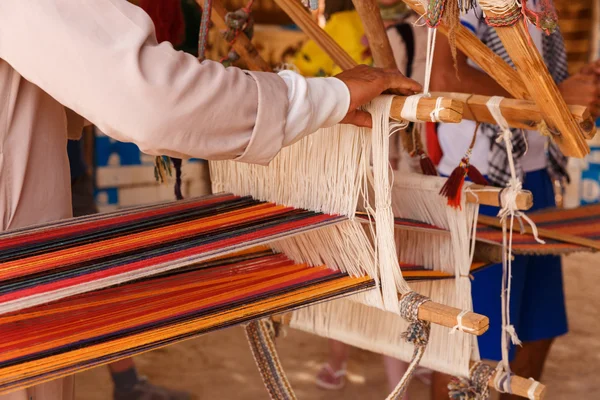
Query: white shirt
pixel 455 138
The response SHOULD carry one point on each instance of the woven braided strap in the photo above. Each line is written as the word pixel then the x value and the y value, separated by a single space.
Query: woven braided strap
pixel 261 335
pixel 474 388
pixel 417 333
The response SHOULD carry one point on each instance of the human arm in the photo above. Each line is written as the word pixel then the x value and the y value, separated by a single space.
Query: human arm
pixel 463 79
pixel 101 60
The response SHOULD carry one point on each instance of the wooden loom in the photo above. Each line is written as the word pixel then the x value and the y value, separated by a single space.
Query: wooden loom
pixel 429 311
pixel 519 113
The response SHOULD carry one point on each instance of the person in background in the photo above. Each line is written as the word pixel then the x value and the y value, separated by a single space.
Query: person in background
pixel 537 300
pixel 128 384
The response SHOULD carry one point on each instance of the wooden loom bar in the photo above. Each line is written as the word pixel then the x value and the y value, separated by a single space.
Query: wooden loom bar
pixel 520 386
pixel 298 13
pixel 490 196
pixel 523 114
pixel 435 313
pixel 544 233
pixel 495 67
pixel 379 44
pixel 543 89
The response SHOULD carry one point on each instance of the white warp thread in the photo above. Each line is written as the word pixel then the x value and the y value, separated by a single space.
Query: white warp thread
pixel 508 211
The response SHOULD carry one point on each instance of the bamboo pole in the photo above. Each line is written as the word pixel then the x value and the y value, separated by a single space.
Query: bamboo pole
pixel 544 233
pixel 242 44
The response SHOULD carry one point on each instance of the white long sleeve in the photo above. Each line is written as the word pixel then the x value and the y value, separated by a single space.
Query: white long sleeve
pixel 313 103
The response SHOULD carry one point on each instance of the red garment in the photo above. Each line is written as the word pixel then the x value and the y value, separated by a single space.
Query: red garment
pixel 434 150
pixel 168 19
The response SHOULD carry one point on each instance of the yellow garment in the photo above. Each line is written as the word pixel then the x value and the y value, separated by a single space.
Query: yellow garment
pixel 347 30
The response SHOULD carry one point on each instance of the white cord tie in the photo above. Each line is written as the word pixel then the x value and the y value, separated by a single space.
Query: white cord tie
pixel 532 389
pixel 459 325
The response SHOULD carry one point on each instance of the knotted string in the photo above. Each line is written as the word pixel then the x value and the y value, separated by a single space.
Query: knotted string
pixel 476 387
pixel 417 333
pixel 459 325
pixel 507 214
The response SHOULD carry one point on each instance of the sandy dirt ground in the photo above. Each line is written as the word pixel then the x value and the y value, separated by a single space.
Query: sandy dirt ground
pixel 220 366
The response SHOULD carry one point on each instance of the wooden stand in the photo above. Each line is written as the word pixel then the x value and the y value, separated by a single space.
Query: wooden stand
pixel 543 89
pixel 512 81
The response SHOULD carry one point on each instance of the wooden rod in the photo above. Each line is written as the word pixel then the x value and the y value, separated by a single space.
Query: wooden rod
pixel 543 89
pixel 490 196
pixel 242 44
pixel 544 233
pixel 435 313
pixel 520 386
pixel 451 109
pixel 485 58
pixel 379 44
pixel 523 114
pixel 298 13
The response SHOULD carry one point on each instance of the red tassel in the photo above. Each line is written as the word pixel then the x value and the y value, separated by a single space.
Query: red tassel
pixel 475 176
pixel 452 189
pixel 427 166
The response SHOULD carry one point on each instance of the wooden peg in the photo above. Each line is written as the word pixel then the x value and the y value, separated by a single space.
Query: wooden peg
pixel 441 314
pixel 543 89
pixel 520 386
pixel 524 114
pixel 242 44
pixel 490 196
pixel 435 313
pixel 451 109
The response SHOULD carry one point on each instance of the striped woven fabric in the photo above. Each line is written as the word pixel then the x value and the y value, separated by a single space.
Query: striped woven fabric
pixel 580 222
pixel 57 260
pixel 76 333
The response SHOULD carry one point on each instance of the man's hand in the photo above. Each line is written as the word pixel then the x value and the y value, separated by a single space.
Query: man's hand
pixel 582 89
pixel 366 83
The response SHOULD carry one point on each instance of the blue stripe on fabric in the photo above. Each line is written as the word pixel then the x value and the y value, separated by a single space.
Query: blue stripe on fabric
pixel 469 26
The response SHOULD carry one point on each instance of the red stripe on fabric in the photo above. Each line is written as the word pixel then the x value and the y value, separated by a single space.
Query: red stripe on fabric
pixel 230 242
pixel 52 233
